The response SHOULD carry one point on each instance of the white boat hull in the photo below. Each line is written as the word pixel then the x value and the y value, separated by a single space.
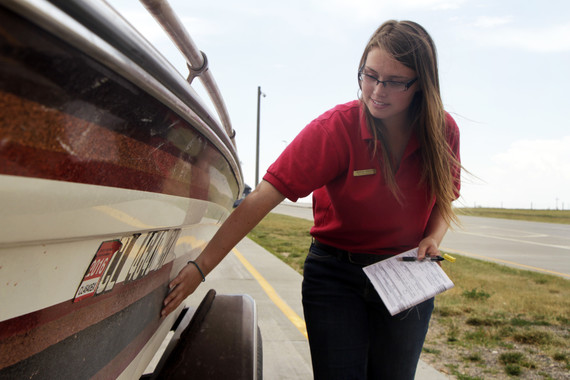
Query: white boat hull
pixel 112 176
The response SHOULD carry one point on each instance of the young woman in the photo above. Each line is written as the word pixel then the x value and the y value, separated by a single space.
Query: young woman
pixel 383 171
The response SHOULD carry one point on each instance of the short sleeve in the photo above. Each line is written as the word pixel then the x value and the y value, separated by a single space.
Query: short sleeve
pixel 316 156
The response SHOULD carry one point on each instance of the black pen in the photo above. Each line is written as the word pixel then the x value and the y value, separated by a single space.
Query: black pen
pixel 430 258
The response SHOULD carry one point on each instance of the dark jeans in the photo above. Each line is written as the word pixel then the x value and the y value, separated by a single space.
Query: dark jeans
pixel 351 334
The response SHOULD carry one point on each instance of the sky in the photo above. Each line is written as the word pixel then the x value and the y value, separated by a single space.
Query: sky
pixel 504 68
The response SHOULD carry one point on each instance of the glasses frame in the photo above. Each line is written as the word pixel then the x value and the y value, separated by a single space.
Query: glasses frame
pixel 407 84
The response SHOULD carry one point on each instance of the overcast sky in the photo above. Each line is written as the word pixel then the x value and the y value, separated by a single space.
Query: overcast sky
pixel 504 74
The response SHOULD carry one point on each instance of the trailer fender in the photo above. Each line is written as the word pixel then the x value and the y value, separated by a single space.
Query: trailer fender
pixel 220 340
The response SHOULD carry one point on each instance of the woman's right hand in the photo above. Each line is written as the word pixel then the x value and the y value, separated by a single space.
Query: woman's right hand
pixel 181 287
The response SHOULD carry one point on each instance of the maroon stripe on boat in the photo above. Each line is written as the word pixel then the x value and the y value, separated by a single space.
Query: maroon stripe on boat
pixel 45 143
pixel 102 350
pixel 36 163
pixel 26 335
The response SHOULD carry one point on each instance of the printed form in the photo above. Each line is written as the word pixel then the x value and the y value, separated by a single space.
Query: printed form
pixel 403 284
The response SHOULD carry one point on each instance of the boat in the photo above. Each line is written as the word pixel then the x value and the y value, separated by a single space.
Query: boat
pixel 114 173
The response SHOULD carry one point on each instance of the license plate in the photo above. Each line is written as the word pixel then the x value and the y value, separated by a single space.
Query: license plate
pixel 97 268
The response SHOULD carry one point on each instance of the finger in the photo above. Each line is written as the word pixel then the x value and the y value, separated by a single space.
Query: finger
pixel 165 311
pixel 170 306
pixel 174 293
pixel 432 251
pixel 421 252
pixel 169 299
pixel 168 309
pixel 177 280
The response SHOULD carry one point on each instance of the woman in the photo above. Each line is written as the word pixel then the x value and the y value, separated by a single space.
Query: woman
pixel 383 170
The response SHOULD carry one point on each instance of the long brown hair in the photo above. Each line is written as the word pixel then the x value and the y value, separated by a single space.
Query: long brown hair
pixel 410 44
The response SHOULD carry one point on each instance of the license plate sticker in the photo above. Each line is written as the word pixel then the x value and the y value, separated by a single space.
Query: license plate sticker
pixel 97 268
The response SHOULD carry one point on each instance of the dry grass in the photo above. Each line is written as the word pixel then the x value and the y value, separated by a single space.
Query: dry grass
pixel 511 290
pixel 495 313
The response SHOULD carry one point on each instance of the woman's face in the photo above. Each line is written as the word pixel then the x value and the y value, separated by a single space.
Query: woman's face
pixel 389 101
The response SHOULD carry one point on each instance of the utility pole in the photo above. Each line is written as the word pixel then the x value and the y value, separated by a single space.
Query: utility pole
pixel 259 93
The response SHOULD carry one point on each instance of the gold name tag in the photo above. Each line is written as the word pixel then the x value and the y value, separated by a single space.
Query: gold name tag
pixel 360 173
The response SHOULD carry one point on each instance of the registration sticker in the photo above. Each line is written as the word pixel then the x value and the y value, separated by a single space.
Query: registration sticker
pixel 95 272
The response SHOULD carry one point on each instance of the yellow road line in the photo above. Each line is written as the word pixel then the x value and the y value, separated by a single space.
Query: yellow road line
pixel 505 262
pixel 297 321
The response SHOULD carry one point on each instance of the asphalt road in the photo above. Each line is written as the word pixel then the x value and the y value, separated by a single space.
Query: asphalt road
pixel 542 247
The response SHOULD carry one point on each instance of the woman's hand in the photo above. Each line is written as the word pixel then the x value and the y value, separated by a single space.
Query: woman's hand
pixel 435 231
pixel 427 247
pixel 181 287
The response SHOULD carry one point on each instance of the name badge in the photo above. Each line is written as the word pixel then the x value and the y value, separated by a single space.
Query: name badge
pixel 360 173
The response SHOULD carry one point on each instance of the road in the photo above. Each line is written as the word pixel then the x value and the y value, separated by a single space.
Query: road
pixel 542 247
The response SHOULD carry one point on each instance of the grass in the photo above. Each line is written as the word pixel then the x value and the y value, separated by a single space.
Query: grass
pixel 497 308
pixel 286 237
pixel 546 216
pixel 522 317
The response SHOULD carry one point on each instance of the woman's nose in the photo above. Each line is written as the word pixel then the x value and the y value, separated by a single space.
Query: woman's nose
pixel 380 89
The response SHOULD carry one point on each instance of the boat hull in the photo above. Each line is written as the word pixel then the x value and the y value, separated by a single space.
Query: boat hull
pixel 107 190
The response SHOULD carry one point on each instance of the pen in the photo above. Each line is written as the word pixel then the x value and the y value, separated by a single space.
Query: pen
pixel 430 258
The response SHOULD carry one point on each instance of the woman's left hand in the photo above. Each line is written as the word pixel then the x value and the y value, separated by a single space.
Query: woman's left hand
pixel 435 230
pixel 427 247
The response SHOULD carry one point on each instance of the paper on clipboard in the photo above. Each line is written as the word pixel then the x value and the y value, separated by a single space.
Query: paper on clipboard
pixel 403 284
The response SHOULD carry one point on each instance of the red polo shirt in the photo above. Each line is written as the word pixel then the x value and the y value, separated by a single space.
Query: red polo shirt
pixel 353 207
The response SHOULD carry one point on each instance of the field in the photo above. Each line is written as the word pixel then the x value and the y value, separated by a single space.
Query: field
pixel 496 323
pixel 547 216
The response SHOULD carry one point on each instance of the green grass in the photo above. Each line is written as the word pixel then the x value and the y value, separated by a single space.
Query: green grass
pixel 492 307
pixel 286 237
pixel 546 216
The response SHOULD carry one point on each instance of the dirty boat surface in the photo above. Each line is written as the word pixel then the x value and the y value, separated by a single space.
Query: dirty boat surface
pixel 113 174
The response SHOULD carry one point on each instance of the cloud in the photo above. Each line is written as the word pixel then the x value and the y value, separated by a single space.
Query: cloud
pixel 490 22
pixel 500 32
pixel 370 9
pixel 530 173
pixel 545 160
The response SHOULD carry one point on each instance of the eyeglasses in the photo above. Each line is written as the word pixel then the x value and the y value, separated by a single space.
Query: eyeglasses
pixel 389 85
